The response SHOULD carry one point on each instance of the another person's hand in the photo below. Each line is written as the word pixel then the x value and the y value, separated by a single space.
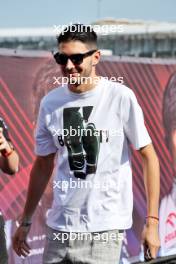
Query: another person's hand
pixel 150 240
pixel 19 240
pixel 4 145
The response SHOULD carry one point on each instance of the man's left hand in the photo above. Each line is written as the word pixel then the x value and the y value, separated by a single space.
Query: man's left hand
pixel 150 236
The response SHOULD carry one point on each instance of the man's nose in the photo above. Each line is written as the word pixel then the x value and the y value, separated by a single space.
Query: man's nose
pixel 69 65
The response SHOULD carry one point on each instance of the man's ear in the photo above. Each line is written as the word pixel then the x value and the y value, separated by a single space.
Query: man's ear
pixel 96 58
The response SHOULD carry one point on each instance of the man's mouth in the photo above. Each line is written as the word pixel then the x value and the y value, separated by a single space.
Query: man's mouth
pixel 74 74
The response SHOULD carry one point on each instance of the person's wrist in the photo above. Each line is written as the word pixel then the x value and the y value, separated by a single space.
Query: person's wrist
pixel 25 224
pixel 25 221
pixel 152 220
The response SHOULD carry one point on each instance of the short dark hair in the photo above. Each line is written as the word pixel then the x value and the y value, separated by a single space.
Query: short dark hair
pixel 169 108
pixel 80 32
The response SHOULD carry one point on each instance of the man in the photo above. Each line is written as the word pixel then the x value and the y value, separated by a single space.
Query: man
pixel 9 164
pixel 167 226
pixel 89 123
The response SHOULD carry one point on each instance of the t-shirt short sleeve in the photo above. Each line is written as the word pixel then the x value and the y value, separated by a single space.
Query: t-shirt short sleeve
pixel 44 143
pixel 133 120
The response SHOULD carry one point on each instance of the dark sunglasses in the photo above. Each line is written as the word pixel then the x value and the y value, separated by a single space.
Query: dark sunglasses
pixel 62 58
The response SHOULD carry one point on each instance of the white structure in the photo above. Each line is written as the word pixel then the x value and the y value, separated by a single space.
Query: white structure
pixel 121 36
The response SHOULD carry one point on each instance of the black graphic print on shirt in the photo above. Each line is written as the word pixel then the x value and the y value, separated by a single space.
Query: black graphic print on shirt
pixel 81 140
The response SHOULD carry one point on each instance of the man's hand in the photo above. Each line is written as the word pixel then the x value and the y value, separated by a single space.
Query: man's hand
pixel 37 184
pixel 150 237
pixel 19 241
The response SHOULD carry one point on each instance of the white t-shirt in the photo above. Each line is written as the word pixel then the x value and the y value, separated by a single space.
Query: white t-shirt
pixel 111 118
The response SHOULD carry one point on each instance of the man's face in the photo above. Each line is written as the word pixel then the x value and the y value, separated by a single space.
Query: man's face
pixel 85 69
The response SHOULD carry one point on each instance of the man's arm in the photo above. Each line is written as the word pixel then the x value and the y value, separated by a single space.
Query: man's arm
pixel 151 178
pixel 39 177
pixel 152 186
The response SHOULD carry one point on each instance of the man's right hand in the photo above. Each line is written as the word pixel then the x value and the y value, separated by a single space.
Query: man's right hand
pixel 19 241
pixel 43 165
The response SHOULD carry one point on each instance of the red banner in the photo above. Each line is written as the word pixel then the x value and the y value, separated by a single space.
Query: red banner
pixel 26 78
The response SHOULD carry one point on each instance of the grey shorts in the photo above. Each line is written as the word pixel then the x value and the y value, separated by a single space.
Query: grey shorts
pixel 86 248
pixel 3 250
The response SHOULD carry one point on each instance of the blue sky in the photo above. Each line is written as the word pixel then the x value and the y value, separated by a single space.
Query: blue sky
pixel 38 13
